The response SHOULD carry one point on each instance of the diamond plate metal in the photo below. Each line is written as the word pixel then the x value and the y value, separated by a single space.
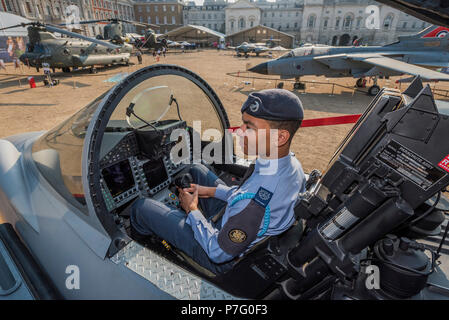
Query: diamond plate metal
pixel 166 275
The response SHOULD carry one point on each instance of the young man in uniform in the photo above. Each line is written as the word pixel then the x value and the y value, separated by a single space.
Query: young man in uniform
pixel 262 205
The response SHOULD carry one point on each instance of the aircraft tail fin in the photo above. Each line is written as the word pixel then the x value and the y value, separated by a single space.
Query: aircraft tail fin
pixel 431 32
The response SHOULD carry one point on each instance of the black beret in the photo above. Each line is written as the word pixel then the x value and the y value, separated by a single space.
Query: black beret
pixel 274 104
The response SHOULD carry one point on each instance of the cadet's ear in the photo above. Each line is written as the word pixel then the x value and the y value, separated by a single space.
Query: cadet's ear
pixel 283 137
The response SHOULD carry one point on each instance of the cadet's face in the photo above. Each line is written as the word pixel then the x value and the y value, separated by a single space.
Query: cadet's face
pixel 251 131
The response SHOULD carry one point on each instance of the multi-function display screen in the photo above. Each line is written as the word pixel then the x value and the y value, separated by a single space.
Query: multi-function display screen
pixel 155 172
pixel 118 177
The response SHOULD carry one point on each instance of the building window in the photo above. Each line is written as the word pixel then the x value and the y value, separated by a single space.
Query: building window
pixel 337 23
pixel 296 25
pixel 404 25
pixel 242 23
pixel 272 14
pixel 165 19
pixel 155 8
pixel 232 25
pixel 148 8
pixel 149 20
pixel 251 23
pixel 359 21
pixel 173 20
pixel 157 20
pixel 139 8
pixel 388 21
pixel 348 22
pixel 311 21
pixel 414 25
pixel 326 21
pixel 173 8
pixel 164 8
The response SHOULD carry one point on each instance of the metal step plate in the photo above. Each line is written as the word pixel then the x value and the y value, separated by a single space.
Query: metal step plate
pixel 166 275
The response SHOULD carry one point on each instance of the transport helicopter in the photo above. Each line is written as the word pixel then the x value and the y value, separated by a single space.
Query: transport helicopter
pixel 114 31
pixel 73 52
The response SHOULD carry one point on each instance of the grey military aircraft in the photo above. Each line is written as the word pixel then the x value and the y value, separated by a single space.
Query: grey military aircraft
pixel 73 52
pixel 114 31
pixel 66 196
pixel 150 41
pixel 246 48
pixel 66 193
pixel 414 55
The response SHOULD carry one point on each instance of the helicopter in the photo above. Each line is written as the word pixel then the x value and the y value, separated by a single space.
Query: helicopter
pixel 66 53
pixel 114 32
pixel 151 41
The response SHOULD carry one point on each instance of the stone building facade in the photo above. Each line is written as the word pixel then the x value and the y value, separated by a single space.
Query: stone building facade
pixel 332 22
pixel 168 15
pixel 210 15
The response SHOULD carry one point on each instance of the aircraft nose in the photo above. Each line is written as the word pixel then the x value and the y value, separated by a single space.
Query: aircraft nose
pixel 261 68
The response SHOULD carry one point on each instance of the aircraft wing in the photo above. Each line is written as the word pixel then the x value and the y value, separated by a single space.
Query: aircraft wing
pixel 381 62
pixel 399 66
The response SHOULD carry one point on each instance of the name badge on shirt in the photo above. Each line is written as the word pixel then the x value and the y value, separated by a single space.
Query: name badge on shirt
pixel 263 197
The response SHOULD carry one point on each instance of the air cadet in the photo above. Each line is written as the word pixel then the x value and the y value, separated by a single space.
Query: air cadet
pixel 262 205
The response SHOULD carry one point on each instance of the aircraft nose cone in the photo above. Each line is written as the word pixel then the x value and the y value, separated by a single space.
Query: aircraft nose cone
pixel 261 68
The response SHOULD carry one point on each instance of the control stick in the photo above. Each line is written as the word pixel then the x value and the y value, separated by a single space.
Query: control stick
pixel 183 181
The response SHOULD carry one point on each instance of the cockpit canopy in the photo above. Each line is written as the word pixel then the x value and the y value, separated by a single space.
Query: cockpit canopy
pixel 306 51
pixel 155 95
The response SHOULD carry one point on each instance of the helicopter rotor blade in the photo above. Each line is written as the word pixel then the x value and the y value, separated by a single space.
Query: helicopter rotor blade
pixel 79 36
pixel 142 24
pixel 17 25
pixel 82 22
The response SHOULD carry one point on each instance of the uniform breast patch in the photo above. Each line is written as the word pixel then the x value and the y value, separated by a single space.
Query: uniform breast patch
pixel 263 197
pixel 237 235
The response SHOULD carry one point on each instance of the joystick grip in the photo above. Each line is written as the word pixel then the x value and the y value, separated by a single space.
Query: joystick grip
pixel 184 181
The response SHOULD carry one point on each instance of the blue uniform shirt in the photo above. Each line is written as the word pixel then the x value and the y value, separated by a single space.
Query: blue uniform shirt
pixel 281 180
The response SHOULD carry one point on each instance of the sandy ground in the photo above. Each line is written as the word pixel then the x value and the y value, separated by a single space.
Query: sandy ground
pixel 24 109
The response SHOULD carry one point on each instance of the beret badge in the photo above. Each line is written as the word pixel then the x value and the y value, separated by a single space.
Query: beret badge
pixel 254 106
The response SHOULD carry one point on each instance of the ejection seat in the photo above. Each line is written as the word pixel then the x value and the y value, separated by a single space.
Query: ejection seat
pixel 257 271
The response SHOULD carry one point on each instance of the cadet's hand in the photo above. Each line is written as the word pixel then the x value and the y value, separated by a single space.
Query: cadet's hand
pixel 203 192
pixel 188 202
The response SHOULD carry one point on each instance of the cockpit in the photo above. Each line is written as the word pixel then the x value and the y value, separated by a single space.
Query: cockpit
pixel 146 141
pixel 305 51
pixel 133 142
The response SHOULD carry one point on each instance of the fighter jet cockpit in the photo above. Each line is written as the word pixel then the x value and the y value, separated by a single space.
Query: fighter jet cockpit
pixel 151 128
pixel 148 141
